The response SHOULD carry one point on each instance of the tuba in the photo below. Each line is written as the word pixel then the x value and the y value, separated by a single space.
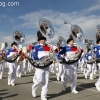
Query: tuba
pixel 61 42
pixel 90 45
pixel 46 30
pixel 98 33
pixel 19 38
pixel 77 35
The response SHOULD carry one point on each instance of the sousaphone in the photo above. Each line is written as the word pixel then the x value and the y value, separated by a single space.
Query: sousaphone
pixel 77 35
pixel 98 33
pixel 90 45
pixel 19 38
pixel 46 30
pixel 61 42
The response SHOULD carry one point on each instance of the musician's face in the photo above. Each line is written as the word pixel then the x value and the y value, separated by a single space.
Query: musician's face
pixel 14 46
pixel 71 42
pixel 42 41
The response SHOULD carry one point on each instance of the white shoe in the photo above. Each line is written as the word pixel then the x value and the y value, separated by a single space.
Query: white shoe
pixel 62 79
pixel 91 78
pixel 43 98
pixel 9 83
pixel 74 91
pixel 12 84
pixel 16 75
pixel 57 78
pixel 97 87
pixel 85 76
pixel 34 79
pixel 33 93
pixel 63 88
pixel 20 76
pixel 0 77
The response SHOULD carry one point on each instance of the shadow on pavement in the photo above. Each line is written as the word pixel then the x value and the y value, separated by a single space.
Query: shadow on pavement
pixel 24 83
pixel 13 95
pixel 50 96
pixel 3 94
pixel 85 86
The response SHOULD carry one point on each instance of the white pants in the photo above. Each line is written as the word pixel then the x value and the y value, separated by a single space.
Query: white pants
pixel 80 67
pixel 25 66
pixel 61 71
pixel 19 69
pixel 1 69
pixel 71 74
pixel 90 70
pixel 29 67
pixel 53 68
pixel 41 77
pixel 98 70
pixel 12 72
pixel 98 82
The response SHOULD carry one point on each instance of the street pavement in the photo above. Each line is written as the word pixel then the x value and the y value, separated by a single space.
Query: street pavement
pixel 23 91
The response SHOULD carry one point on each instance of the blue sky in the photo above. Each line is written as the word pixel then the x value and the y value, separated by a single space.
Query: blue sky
pixel 25 17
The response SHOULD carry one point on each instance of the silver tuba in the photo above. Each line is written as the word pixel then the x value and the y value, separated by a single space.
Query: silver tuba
pixel 90 45
pixel 77 35
pixel 19 38
pixel 61 42
pixel 46 30
pixel 98 33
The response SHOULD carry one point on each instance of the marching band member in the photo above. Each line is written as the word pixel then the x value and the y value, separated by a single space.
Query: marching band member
pixel 25 65
pixel 30 67
pixel 81 65
pixel 53 67
pixel 41 75
pixel 97 52
pixel 90 67
pixel 19 63
pixel 25 59
pixel 70 69
pixel 2 62
pixel 61 71
pixel 12 66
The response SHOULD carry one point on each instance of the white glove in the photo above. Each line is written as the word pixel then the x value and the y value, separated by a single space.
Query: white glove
pixel 66 59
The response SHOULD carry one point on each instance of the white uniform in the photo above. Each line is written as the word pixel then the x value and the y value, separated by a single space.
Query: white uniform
pixel 19 69
pixel 11 67
pixel 61 72
pixel 70 69
pixel 90 67
pixel 71 74
pixel 2 65
pixel 97 53
pixel 41 75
